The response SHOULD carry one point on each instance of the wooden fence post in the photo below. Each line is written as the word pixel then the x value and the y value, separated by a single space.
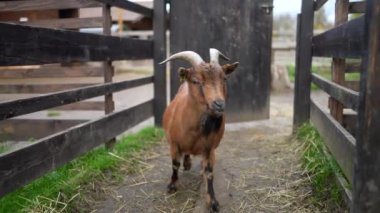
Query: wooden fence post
pixel 339 64
pixel 303 65
pixel 108 69
pixel 367 164
pixel 159 29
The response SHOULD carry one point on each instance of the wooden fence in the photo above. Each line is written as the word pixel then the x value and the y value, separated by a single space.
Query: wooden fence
pixel 351 128
pixel 30 45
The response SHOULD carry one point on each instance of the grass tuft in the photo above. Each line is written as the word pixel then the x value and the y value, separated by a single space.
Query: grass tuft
pixel 3 148
pixel 321 168
pixel 58 190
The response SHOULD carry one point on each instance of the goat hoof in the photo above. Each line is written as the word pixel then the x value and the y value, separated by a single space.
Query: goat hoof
pixel 172 188
pixel 214 206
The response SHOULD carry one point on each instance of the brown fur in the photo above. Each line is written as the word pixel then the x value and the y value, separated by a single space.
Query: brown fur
pixel 202 86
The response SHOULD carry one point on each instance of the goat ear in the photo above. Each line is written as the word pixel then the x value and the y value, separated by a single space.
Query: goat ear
pixel 183 73
pixel 229 68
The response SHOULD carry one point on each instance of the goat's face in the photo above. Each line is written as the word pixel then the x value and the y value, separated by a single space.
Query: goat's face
pixel 206 81
pixel 208 85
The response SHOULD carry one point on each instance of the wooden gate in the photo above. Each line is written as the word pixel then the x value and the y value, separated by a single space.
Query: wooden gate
pixel 240 29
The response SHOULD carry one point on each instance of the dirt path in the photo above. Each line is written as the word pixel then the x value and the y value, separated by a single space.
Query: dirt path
pixel 258 170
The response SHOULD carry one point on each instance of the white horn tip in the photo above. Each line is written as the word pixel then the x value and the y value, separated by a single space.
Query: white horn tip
pixel 215 54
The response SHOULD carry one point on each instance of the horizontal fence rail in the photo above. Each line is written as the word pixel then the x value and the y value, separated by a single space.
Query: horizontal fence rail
pixel 353 67
pixel 64 23
pixel 357 7
pixel 55 71
pixel 38 88
pixel 25 45
pixel 338 140
pixel 19 167
pixel 347 97
pixel 8 6
pixel 28 105
pixel 344 41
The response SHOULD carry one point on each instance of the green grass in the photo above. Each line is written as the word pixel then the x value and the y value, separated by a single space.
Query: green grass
pixel 65 183
pixel 321 167
pixel 53 114
pixel 3 148
pixel 352 76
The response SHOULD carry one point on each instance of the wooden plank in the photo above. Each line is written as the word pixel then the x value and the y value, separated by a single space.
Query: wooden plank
pixel 318 4
pixel 353 67
pixel 339 64
pixel 128 5
pixel 50 71
pixel 367 165
pixel 46 5
pixel 21 46
pixel 64 23
pixel 159 29
pixel 348 97
pixel 344 41
pixel 28 105
pixel 30 15
pixel 342 183
pixel 38 88
pixel 19 167
pixel 303 65
pixel 346 192
pixel 83 105
pixel 357 7
pixel 33 129
pixel 350 122
pixel 340 143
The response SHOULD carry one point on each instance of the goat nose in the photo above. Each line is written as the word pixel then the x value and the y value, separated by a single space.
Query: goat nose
pixel 218 105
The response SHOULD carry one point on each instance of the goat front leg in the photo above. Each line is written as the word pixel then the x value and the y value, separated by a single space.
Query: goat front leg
pixel 208 174
pixel 172 187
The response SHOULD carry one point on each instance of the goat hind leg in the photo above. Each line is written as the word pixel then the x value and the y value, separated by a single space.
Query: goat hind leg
pixel 186 162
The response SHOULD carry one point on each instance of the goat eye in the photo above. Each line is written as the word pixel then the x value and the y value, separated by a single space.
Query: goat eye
pixel 195 81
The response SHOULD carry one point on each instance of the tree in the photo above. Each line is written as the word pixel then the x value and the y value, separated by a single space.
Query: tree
pixel 320 20
pixel 284 22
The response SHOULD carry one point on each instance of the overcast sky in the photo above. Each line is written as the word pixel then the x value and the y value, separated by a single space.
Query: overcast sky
pixel 294 7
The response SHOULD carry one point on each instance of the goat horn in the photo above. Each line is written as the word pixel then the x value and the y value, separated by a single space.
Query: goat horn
pixel 192 57
pixel 215 54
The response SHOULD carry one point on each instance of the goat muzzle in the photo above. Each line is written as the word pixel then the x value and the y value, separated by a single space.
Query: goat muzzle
pixel 217 108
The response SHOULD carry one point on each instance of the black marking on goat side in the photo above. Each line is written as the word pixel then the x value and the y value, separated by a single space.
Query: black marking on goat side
pixel 210 124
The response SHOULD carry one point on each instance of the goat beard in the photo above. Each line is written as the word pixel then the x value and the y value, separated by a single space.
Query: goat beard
pixel 210 123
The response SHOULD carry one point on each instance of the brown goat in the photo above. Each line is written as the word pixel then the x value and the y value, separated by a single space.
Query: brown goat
pixel 194 120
